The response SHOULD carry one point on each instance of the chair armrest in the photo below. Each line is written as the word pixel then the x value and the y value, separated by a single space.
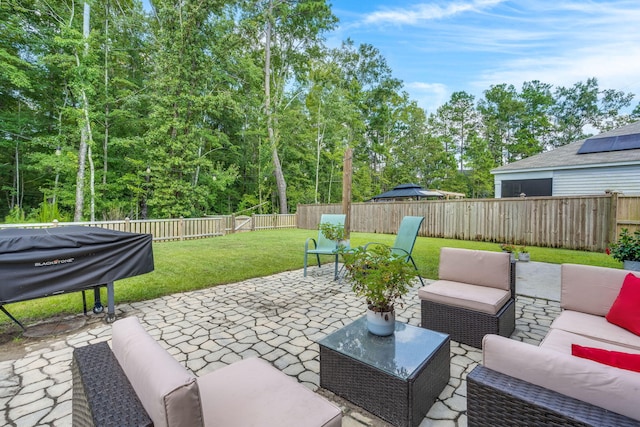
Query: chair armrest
pixel 306 243
pixel 102 394
pixel 494 398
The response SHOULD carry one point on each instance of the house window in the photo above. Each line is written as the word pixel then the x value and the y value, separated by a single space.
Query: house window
pixel 528 187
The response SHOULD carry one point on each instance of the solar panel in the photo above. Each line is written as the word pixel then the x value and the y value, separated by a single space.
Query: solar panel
pixel 610 143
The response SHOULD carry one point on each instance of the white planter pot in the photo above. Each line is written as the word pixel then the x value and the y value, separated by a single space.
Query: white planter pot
pixel 523 256
pixel 381 324
pixel 631 265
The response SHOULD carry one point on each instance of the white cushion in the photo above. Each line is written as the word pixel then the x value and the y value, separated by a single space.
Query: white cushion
pixel 472 297
pixel 167 391
pixel 561 341
pixel 483 268
pixel 595 327
pixel 590 289
pixel 252 393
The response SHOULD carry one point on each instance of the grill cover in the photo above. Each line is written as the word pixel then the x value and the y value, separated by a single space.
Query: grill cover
pixel 37 263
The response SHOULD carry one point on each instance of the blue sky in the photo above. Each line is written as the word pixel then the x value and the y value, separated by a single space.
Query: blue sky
pixel 439 47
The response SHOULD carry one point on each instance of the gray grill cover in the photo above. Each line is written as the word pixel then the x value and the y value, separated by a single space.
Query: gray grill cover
pixel 37 263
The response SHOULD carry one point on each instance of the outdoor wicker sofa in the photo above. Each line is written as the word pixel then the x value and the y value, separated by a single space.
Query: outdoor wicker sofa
pixel 523 384
pixel 474 296
pixel 140 384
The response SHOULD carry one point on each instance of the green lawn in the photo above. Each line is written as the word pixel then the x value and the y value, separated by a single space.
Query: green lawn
pixel 197 264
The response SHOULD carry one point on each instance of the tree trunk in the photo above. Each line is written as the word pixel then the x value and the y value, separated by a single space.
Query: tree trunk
pixel 277 167
pixel 82 159
pixel 86 137
pixel 105 144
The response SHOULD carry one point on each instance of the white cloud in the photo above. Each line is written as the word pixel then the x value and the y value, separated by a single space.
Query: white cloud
pixel 426 12
pixel 613 66
pixel 472 44
pixel 429 96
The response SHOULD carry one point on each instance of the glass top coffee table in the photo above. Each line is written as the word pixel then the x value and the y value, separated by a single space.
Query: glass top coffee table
pixel 397 378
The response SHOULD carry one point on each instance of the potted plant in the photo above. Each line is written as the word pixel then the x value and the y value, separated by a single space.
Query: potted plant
pixel 510 248
pixel 523 254
pixel 382 278
pixel 627 249
pixel 333 232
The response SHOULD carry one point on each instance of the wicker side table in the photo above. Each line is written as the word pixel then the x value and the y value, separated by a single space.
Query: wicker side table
pixel 397 378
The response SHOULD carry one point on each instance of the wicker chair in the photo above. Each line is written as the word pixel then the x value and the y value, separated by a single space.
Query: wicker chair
pixel 475 296
pixel 139 383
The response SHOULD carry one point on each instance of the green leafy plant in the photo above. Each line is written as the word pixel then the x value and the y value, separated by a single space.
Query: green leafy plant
pixel 627 248
pixel 378 275
pixel 523 249
pixel 508 247
pixel 332 231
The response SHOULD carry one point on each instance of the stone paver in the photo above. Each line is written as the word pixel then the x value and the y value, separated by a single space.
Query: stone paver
pixel 278 318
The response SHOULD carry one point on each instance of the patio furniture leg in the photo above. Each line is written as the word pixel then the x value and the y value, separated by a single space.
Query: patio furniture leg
pixel 416 267
pixel 305 264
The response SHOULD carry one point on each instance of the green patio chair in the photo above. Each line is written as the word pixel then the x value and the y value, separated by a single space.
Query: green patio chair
pixel 406 239
pixel 324 246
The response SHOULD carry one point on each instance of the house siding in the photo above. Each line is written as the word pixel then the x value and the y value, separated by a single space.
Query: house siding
pixel 579 182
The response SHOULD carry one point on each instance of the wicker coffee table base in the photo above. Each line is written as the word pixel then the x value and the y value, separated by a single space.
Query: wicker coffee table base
pixel 400 402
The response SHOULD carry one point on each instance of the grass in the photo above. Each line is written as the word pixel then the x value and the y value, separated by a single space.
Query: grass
pixel 196 264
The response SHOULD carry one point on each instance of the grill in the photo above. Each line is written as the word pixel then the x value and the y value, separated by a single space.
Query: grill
pixel 36 263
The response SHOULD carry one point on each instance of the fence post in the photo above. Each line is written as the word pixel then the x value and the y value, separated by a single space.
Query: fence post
pixel 613 219
pixel 233 223
pixel 55 222
pixel 181 228
pixel 127 224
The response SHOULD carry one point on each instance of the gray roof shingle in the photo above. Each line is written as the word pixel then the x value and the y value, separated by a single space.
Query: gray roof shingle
pixel 567 157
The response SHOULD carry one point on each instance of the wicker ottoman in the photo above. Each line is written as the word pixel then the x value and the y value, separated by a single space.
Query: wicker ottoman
pixel 397 378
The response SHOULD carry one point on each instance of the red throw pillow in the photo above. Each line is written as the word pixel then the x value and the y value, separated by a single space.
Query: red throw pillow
pixel 628 361
pixel 625 311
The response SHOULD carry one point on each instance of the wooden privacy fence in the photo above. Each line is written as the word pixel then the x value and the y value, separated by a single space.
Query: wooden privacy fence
pixel 183 228
pixel 581 222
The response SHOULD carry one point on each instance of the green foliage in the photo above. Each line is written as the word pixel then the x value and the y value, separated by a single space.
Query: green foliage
pixel 15 216
pixel 507 247
pixel 331 231
pixel 181 90
pixel 627 248
pixel 47 213
pixel 378 275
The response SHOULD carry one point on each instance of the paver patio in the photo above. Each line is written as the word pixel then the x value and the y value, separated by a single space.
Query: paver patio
pixel 278 318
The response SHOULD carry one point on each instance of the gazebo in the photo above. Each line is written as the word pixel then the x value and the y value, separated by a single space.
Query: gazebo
pixel 407 192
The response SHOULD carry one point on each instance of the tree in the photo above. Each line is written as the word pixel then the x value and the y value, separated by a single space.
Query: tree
pixel 480 163
pixel 188 103
pixel 501 111
pixel 457 119
pixel 292 34
pixel 585 104
pixel 536 130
